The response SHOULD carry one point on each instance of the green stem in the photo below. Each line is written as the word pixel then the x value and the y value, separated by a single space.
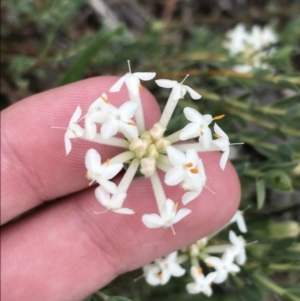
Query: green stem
pixel 271 286
pixel 102 295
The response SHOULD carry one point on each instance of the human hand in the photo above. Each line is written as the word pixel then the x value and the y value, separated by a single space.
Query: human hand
pixel 62 250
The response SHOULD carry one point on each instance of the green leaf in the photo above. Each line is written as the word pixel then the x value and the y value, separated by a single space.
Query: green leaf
pixel 79 66
pixel 118 298
pixel 260 192
pixel 278 180
pixel 282 244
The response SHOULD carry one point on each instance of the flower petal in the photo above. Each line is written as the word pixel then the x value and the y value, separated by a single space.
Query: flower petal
pixel 192 115
pixel 193 93
pixel 133 84
pixel 117 86
pixel 166 83
pixel 176 270
pixel 181 214
pixel 102 196
pixel 241 222
pixel 109 128
pixel 145 75
pixel 108 185
pixel 190 196
pixel 123 211
pixel 76 115
pixel 206 138
pixel 174 176
pixel 176 157
pixel 68 144
pixel 92 160
pixel 224 159
pixel 191 130
pixel 127 110
pixel 111 170
pixel 152 220
pixel 193 288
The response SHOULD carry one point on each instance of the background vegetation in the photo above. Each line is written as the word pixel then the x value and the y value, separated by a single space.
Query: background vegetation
pixel 47 43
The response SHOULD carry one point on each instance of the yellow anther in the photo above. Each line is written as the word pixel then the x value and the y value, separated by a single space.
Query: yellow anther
pixel 219 117
pixel 131 123
pixel 188 165
pixel 201 133
pixel 209 265
pixel 107 162
pixel 159 275
pixel 217 136
pixel 199 271
pixel 140 87
pixel 104 98
pixel 194 170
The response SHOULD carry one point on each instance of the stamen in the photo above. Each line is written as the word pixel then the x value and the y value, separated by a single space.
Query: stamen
pixel 217 136
pixel 251 243
pixel 185 78
pixel 199 271
pixel 174 233
pixel 59 127
pixel 100 212
pixel 107 162
pixel 194 170
pixel 159 275
pixel 209 265
pixel 209 189
pixel 128 62
pixel 140 87
pixel 201 133
pixel 219 117
pixel 189 164
pixel 104 98
pixel 131 123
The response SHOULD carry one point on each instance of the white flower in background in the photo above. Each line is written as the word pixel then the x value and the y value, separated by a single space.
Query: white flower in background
pixel 101 173
pixel 238 248
pixel 74 130
pixel 237 39
pixel 96 114
pixel 202 283
pixel 178 89
pixel 113 202
pixel 239 219
pixel 250 46
pixel 223 265
pixel 160 272
pixel 223 143
pixel 199 127
pixel 132 81
pixel 187 168
pixel 120 119
pixel 169 216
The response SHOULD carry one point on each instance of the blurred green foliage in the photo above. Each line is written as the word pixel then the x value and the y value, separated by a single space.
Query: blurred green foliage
pixel 58 46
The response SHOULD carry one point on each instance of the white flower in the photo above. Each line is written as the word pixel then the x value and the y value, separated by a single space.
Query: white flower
pixel 74 130
pixel 238 247
pixel 113 202
pixel 237 39
pixel 197 128
pixel 132 81
pixel 101 173
pixel 178 89
pixel 250 46
pixel 239 219
pixel 223 266
pixel 168 217
pixel 223 143
pixel 119 119
pixel 202 283
pixel 160 272
pixel 96 114
pixel 188 170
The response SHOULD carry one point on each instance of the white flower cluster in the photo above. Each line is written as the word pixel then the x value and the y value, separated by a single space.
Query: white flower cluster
pixel 234 255
pixel 146 150
pixel 252 47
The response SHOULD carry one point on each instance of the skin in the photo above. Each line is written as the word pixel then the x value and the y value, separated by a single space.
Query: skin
pixel 62 250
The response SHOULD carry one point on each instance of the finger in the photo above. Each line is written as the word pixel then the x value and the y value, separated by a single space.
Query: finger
pixel 65 252
pixel 34 165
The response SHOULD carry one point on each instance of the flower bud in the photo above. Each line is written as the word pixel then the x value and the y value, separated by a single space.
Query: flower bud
pixel 157 131
pixel 162 144
pixel 148 166
pixel 152 151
